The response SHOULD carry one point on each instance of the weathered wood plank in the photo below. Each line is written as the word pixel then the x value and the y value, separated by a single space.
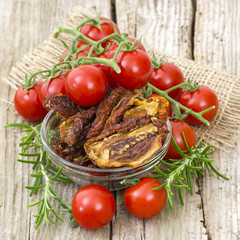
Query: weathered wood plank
pixel 216 39
pixel 167 26
pixel 164 25
pixel 217 43
pixel 26 24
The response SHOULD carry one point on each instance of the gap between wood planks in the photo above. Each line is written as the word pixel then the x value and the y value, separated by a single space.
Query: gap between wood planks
pixel 202 208
pixel 198 183
pixel 29 229
pixel 194 7
pixel 113 15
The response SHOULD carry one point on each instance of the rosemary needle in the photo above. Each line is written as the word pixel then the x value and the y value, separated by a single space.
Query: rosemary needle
pixel 44 175
pixel 178 173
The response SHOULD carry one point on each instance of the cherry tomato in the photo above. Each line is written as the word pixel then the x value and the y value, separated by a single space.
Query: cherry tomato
pixel 86 85
pixel 110 51
pixel 55 87
pixel 83 52
pixel 106 69
pixel 198 101
pixel 96 34
pixel 113 47
pixel 179 126
pixel 136 69
pixel 64 75
pixel 81 43
pixel 166 76
pixel 142 201
pixel 154 95
pixel 93 206
pixel 141 47
pixel 28 105
pixel 80 54
pixel 170 113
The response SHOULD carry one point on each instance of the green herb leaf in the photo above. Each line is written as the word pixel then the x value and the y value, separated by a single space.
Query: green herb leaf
pixel 44 174
pixel 178 174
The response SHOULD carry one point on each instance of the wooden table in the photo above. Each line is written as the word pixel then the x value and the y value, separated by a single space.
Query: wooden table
pixel 203 30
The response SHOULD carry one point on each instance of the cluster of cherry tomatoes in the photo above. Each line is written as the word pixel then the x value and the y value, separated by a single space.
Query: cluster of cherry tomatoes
pixel 93 206
pixel 86 85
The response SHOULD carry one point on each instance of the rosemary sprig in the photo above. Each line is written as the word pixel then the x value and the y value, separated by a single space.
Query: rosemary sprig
pixel 45 173
pixel 178 173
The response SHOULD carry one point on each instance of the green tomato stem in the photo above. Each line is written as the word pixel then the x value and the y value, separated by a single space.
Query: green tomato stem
pixel 185 85
pixel 178 105
pixel 74 32
pixel 83 23
pixel 91 60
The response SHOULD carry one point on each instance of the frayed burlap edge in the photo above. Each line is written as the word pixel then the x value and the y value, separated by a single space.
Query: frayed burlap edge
pixel 223 132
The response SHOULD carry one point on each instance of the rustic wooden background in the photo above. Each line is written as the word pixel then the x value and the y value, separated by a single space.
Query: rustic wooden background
pixel 204 30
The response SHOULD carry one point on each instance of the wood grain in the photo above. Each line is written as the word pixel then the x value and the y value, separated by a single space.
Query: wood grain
pixel 164 25
pixel 217 43
pixel 25 24
pixel 214 210
pixel 167 26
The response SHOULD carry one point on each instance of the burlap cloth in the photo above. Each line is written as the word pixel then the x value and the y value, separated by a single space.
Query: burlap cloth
pixel 224 129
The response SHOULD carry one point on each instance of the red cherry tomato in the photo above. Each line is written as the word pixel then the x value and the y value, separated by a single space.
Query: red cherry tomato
pixel 106 69
pixel 179 126
pixel 154 95
pixel 198 101
pixel 113 47
pixel 93 206
pixel 141 47
pixel 64 75
pixel 80 54
pixel 136 69
pixel 96 34
pixel 28 105
pixel 55 87
pixel 83 52
pixel 142 201
pixel 166 76
pixel 86 85
pixel 81 43
pixel 170 113
pixel 110 51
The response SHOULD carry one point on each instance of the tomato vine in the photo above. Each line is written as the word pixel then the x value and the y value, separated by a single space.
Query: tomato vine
pixel 177 173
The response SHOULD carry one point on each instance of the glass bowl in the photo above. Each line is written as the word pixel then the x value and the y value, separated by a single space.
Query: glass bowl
pixel 108 177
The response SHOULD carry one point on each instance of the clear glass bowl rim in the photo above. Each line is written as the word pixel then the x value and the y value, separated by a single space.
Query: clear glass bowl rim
pixel 97 170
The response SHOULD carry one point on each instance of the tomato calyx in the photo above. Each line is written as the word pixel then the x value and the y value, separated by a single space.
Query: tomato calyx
pixel 130 181
pixel 199 101
pixel 84 50
pixel 96 22
pixel 177 106
pixel 72 53
pixel 157 64
pixel 70 59
pixel 28 84
pixel 67 66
